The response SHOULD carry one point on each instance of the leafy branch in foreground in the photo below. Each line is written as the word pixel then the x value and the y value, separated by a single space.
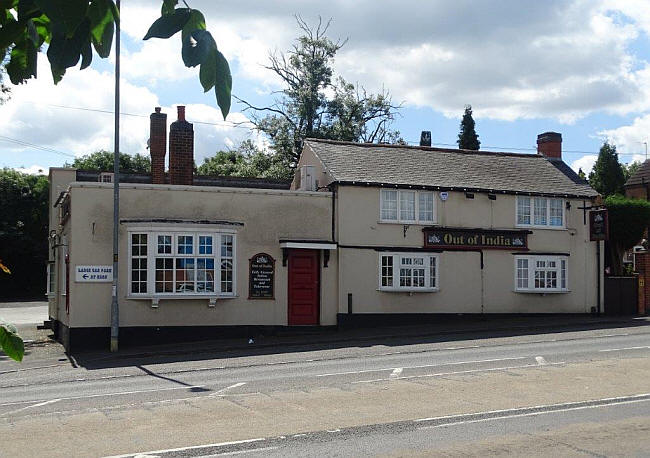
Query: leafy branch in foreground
pixel 72 28
pixel 10 342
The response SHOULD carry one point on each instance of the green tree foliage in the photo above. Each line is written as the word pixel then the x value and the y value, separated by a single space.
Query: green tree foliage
pixel 102 161
pixel 607 177
pixel 628 220
pixel 316 104
pixel 72 28
pixel 23 233
pixel 247 160
pixel 467 137
pixel 630 169
pixel 581 174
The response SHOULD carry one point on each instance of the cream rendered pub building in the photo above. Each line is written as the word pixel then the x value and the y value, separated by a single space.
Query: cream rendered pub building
pixel 365 233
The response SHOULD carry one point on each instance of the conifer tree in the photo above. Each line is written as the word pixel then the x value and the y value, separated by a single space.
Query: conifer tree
pixel 467 138
pixel 607 176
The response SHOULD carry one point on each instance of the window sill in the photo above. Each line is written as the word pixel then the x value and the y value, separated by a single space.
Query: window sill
pixel 541 292
pixel 532 226
pixel 408 291
pixel 148 297
pixel 410 223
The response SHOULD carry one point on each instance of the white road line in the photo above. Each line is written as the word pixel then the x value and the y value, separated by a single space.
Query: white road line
pixel 626 348
pixel 540 360
pixel 541 406
pixel 531 414
pixel 236 385
pixel 440 374
pixel 396 373
pixel 421 366
pixel 241 452
pixel 51 401
pixel 193 447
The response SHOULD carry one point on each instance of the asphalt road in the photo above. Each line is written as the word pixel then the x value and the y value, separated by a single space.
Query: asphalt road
pixel 568 393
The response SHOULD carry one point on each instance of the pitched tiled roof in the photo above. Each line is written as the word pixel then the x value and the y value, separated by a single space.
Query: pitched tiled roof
pixel 364 163
pixel 641 176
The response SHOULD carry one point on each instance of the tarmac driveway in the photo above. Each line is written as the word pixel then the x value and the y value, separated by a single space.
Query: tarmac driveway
pixel 24 314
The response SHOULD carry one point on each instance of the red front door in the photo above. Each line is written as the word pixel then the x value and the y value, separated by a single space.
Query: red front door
pixel 304 287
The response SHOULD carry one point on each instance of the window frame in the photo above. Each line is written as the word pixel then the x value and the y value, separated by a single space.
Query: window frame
pixel 396 266
pixel 50 287
pixel 399 219
pixel 152 255
pixel 531 214
pixel 561 268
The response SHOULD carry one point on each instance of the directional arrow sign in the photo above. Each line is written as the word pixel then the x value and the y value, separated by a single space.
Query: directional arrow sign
pixel 93 274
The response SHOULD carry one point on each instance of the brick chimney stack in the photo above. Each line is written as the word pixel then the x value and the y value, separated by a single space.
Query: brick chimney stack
pixel 549 145
pixel 158 145
pixel 181 150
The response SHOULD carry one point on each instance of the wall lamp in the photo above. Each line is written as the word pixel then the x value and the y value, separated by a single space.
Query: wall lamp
pixel 469 195
pixel 492 196
pixel 568 205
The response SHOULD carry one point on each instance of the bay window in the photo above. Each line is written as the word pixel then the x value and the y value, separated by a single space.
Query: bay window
pixel 540 211
pixel 181 263
pixel 405 206
pixel 408 272
pixel 541 274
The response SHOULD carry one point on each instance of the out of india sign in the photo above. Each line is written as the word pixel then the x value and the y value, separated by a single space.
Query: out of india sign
pixel 468 239
pixel 95 274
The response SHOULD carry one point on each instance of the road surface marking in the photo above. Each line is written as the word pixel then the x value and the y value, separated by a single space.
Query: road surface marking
pixel 540 360
pixel 531 414
pixel 40 404
pixel 396 373
pixel 236 385
pixel 193 447
pixel 627 348
pixel 439 374
pixel 241 452
pixel 420 366
pixel 601 401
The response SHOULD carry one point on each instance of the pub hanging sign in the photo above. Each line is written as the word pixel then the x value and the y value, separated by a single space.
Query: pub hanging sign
pixel 261 277
pixel 598 225
pixel 470 239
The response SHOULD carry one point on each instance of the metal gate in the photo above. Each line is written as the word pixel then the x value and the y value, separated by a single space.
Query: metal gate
pixel 621 295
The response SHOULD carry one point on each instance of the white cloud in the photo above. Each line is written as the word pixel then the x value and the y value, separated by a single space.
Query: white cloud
pixel 630 140
pixel 562 59
pixel 586 163
pixel 33 170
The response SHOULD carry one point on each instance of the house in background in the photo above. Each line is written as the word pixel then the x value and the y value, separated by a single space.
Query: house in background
pixel 365 233
pixel 638 185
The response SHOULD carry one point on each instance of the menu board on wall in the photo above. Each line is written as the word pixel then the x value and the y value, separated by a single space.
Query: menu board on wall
pixel 261 277
pixel 598 225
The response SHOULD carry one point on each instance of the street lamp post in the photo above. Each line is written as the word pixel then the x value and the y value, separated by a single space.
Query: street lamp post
pixel 115 309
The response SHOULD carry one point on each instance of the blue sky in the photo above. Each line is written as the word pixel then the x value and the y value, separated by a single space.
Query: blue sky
pixel 576 67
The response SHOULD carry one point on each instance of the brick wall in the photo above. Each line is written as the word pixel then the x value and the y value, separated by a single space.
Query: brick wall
pixel 637 192
pixel 158 145
pixel 181 150
pixel 643 267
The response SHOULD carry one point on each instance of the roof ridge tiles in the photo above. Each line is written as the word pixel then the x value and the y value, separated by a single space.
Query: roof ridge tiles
pixel 424 148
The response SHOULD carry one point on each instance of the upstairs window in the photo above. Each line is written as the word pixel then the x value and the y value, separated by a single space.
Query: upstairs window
pixel 402 206
pixel 540 212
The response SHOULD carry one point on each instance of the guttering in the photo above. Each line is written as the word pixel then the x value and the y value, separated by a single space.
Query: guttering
pixel 462 189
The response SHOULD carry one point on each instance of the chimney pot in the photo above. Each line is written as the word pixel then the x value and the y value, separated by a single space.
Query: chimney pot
pixel 549 145
pixel 157 109
pixel 158 145
pixel 181 112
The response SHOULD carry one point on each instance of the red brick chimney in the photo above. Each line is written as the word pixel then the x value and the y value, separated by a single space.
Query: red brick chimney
pixel 549 144
pixel 181 150
pixel 158 145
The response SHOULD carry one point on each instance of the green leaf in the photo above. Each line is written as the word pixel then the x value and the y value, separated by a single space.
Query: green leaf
pixel 223 84
pixel 195 22
pixel 86 54
pixel 68 13
pixel 64 52
pixel 8 4
pixel 208 72
pixel 27 9
pixel 42 24
pixel 22 61
pixel 101 26
pixel 11 32
pixel 168 25
pixel 197 46
pixel 10 342
pixel 168 7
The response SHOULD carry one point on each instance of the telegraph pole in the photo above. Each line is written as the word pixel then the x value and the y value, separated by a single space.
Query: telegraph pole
pixel 115 309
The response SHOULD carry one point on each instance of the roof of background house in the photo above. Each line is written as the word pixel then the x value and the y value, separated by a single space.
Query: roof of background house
pixel 448 169
pixel 199 180
pixel 641 177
